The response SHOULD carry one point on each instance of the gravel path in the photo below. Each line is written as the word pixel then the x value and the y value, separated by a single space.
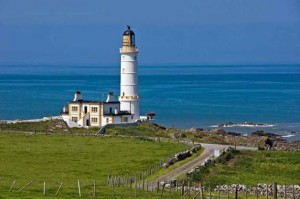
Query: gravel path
pixel 185 168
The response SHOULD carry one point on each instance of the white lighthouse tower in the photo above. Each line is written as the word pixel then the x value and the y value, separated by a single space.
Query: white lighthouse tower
pixel 129 98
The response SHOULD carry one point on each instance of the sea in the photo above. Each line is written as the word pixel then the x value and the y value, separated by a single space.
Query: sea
pixel 182 96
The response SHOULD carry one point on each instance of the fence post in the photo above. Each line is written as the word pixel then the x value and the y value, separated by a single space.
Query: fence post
pixel 147 185
pixel 12 185
pixel 275 190
pixel 228 192
pixel 44 188
pixel 182 188
pixel 135 190
pixel 285 191
pixel 113 188
pixel 202 191
pixel 293 192
pixel 256 190
pixel 236 192
pixel 26 185
pixel 79 192
pixel 157 186
pixel 94 193
pixel 267 191
pixel 189 187
pixel 59 188
pixel 162 191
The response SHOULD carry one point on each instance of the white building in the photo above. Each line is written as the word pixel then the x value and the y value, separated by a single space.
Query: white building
pixel 86 113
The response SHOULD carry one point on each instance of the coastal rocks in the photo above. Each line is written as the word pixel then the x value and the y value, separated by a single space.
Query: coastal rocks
pixel 181 156
pixel 262 133
pixel 218 131
pixel 244 124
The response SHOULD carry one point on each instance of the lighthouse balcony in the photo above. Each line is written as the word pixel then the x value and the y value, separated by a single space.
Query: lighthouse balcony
pixel 129 49
pixel 129 97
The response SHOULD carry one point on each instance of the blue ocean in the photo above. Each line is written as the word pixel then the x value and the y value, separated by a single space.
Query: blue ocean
pixel 183 96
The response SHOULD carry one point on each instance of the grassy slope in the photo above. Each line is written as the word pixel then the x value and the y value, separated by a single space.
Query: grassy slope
pixel 143 129
pixel 252 167
pixel 55 158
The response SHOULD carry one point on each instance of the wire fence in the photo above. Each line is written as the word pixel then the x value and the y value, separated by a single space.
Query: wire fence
pixel 147 189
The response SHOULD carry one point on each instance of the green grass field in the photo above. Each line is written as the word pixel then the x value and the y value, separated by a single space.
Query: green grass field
pixel 56 158
pixel 252 167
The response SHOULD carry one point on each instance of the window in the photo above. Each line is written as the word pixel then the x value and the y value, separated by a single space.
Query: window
pixel 124 119
pixel 94 109
pixel 74 108
pixel 74 119
pixel 107 120
pixel 94 120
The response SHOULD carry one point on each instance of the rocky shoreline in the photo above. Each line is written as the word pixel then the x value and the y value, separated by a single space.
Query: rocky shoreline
pixel 262 140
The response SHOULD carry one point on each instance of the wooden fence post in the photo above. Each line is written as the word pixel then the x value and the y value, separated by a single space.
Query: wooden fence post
pixel 12 185
pixel 202 191
pixel 236 192
pixel 59 188
pixel 157 186
pixel 26 185
pixel 162 191
pixel 94 191
pixel 293 192
pixel 79 192
pixel 44 188
pixel 256 190
pixel 182 188
pixel 228 192
pixel 275 190
pixel 147 185
pixel 135 190
pixel 189 187
pixel 285 195
pixel 113 189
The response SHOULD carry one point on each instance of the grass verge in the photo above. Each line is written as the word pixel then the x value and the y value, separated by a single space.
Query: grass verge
pixel 253 167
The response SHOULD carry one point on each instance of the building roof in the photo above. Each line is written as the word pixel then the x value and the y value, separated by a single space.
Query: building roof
pixel 93 102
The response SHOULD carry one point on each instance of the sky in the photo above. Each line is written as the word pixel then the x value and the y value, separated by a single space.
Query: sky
pixel 197 32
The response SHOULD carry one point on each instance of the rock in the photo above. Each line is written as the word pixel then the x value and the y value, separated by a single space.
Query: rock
pixel 218 131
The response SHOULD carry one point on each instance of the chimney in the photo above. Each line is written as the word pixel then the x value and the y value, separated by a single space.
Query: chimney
pixel 110 97
pixel 77 96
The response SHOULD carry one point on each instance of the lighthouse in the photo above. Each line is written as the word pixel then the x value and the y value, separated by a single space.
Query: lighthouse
pixel 98 113
pixel 129 98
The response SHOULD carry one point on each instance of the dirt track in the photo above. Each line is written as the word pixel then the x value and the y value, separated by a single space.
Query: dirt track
pixel 185 168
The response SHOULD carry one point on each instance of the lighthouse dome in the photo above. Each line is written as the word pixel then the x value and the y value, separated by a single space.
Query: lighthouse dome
pixel 128 32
